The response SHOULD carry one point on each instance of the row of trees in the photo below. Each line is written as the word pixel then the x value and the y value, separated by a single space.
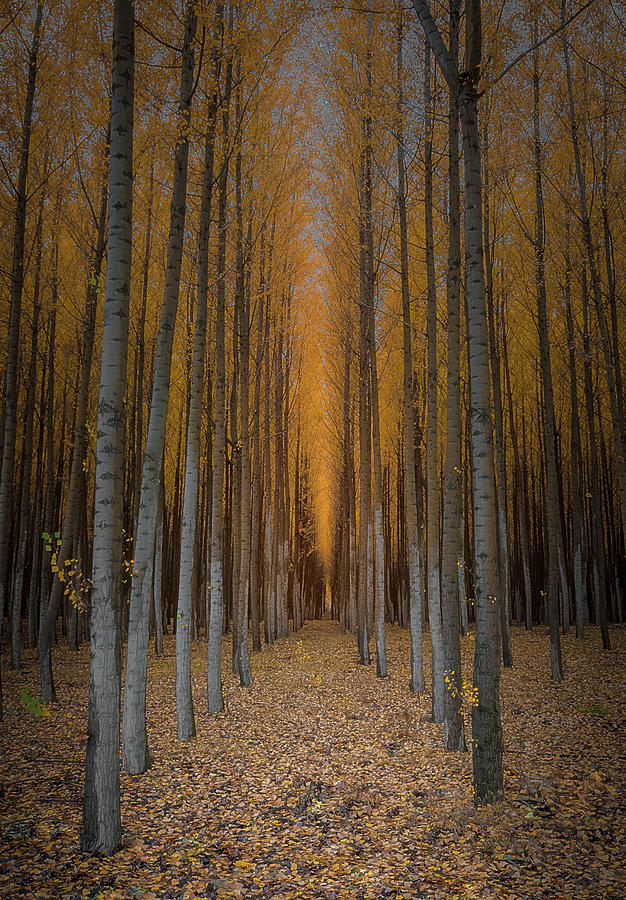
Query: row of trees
pixel 500 499
pixel 259 227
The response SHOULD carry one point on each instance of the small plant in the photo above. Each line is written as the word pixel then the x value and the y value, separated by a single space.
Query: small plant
pixel 593 709
pixel 34 704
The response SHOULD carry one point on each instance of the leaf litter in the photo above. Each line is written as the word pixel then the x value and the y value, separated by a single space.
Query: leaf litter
pixel 323 782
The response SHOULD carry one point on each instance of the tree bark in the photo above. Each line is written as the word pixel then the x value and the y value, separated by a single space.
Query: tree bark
pixel 415 588
pixel 135 755
pixel 486 726
pixel 215 696
pixel 503 532
pixel 552 499
pixel 433 575
pixel 454 730
pixel 597 561
pixel 102 830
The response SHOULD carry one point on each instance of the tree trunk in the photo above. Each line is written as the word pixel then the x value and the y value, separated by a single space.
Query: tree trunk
pixel 454 731
pixel 364 428
pixel 243 656
pixel 257 463
pixel 486 727
pixel 597 561
pixel 415 589
pixel 215 696
pixel 135 756
pixel 432 478
pixel 503 533
pixel 576 489
pixel 379 538
pixel 552 499
pixel 188 547
pixel 102 830
pixel 520 491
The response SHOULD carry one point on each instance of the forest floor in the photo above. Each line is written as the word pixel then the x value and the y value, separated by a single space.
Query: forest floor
pixel 322 781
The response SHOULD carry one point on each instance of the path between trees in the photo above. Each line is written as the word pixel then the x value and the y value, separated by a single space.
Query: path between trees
pixel 321 781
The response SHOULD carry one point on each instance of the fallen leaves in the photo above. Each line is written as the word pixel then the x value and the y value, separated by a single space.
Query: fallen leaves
pixel 324 782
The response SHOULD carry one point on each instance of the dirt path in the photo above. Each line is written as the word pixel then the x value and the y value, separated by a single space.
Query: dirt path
pixel 323 782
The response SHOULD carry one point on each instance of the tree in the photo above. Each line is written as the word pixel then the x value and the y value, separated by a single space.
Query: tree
pixel 102 828
pixel 135 745
pixel 486 726
pixel 215 696
pixel 415 575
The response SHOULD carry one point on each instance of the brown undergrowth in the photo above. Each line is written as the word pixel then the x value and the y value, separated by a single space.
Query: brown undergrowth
pixel 323 782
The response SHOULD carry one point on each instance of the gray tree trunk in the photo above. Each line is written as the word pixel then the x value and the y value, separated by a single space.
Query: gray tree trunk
pixel 243 656
pixel 379 537
pixel 552 498
pixel 520 490
pixel 433 574
pixel 452 550
pixel 188 538
pixel 503 531
pixel 415 588
pixel 486 725
pixel 135 755
pixel 576 490
pixel 139 399
pixel 102 829
pixel 215 698
pixel 364 427
pixel 597 556
pixel 257 462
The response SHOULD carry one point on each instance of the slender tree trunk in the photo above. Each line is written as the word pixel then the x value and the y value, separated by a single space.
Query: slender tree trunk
pixel 486 726
pixel 575 460
pixel 503 534
pixel 433 509
pixel 408 447
pixel 552 498
pixel 243 656
pixel 135 755
pixel 598 561
pixel 157 581
pixel 269 620
pixel 189 542
pixel 257 463
pixel 48 517
pixel 379 538
pixel 215 696
pixel 102 830
pixel 454 731
pixel 364 429
pixel 520 490
pixel 139 400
